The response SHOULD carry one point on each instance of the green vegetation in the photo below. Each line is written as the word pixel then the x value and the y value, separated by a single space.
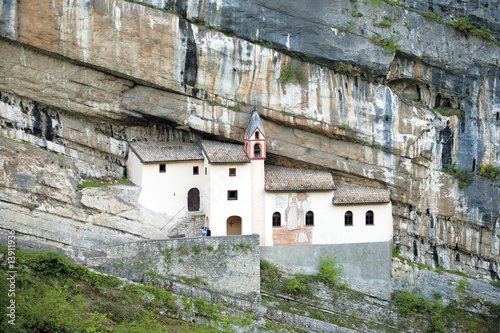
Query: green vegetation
pixel 431 17
pixel 387 43
pixel 448 112
pixel 465 26
pixel 464 177
pixel 242 246
pixel 329 272
pixel 92 183
pixel 489 171
pixel 293 73
pixel 379 3
pixel 55 295
pixel 385 23
pixel 440 317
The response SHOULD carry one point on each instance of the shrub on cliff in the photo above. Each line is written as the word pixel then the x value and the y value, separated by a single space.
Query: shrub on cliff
pixel 329 272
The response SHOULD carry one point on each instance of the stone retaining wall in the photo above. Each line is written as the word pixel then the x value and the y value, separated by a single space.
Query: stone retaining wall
pixel 229 264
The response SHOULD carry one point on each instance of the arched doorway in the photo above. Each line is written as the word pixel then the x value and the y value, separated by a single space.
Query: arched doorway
pixel 233 225
pixel 193 200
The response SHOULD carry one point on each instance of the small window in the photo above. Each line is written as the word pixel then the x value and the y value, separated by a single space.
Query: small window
pixel 232 195
pixel 206 171
pixel 196 170
pixel 276 219
pixel 257 136
pixel 163 168
pixel 348 218
pixel 232 172
pixel 256 150
pixel 309 218
pixel 369 218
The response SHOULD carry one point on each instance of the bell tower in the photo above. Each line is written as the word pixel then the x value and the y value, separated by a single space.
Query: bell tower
pixel 255 137
pixel 255 147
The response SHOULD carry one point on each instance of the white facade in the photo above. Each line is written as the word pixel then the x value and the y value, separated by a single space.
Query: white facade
pixel 219 207
pixel 167 192
pixel 328 220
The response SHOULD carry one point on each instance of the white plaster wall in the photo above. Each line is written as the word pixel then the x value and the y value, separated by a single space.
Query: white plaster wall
pixel 134 168
pixel 359 232
pixel 258 199
pixel 167 192
pixel 219 207
pixel 329 225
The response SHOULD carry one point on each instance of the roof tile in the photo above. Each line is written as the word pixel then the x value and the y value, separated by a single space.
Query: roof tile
pixel 351 194
pixel 223 152
pixel 149 152
pixel 289 179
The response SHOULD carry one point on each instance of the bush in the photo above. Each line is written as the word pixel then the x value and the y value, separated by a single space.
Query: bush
pixel 329 272
pixel 489 171
pixel 293 73
pixel 464 177
pixel 296 286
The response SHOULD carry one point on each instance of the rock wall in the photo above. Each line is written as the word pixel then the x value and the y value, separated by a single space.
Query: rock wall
pixel 116 71
pixel 229 264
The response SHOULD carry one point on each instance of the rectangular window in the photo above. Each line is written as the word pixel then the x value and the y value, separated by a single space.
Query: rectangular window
pixel 206 171
pixel 232 172
pixel 232 195
pixel 195 170
pixel 163 168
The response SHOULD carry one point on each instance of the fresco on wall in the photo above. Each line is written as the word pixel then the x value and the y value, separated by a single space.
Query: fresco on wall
pixel 292 207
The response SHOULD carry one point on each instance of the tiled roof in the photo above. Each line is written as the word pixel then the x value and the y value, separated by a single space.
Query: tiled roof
pixel 289 179
pixel 254 123
pixel 223 152
pixel 149 152
pixel 350 194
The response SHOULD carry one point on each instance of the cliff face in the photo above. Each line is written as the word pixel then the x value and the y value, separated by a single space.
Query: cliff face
pixel 83 77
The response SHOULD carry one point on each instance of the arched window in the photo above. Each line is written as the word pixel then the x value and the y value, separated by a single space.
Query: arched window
pixel 257 135
pixel 309 218
pixel 256 150
pixel 348 218
pixel 369 218
pixel 276 219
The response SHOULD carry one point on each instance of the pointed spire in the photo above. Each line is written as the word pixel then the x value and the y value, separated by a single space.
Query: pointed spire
pixel 254 123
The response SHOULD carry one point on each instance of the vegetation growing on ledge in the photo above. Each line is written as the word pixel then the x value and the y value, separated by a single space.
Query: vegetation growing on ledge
pixel 387 43
pixel 448 112
pixel 464 177
pixel 489 171
pixel 293 73
pixel 98 183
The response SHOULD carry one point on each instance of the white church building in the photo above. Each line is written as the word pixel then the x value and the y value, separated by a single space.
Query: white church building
pixel 239 194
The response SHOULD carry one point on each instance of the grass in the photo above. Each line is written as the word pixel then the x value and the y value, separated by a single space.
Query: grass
pixel 448 112
pixel 92 183
pixel 55 295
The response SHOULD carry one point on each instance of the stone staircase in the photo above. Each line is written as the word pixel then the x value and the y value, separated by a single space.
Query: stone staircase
pixel 188 225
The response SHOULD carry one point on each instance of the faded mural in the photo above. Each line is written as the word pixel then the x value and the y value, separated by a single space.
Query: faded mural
pixel 292 208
